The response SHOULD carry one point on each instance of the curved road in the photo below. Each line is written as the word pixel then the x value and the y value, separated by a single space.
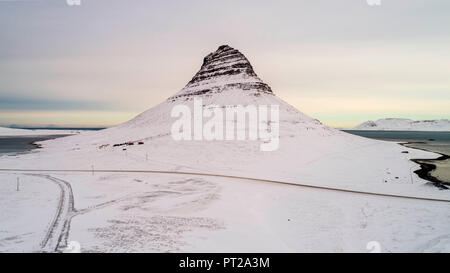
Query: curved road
pixel 234 177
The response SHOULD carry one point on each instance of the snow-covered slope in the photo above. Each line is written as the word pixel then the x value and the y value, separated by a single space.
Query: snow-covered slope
pixel 39 132
pixel 400 124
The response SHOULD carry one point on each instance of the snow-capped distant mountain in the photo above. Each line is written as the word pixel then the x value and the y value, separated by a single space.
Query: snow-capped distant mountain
pixel 399 124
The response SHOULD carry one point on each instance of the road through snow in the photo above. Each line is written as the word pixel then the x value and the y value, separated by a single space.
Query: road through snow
pixel 236 177
pixel 56 236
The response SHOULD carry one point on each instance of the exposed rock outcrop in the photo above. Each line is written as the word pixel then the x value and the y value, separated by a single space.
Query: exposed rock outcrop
pixel 225 69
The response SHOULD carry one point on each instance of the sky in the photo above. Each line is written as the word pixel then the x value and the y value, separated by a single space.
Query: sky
pixel 105 61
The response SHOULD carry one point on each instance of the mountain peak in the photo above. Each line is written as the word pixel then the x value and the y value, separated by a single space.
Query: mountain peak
pixel 225 61
pixel 222 47
pixel 224 69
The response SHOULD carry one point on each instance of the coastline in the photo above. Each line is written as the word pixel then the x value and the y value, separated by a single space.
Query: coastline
pixel 427 166
pixel 425 171
pixel 24 143
pixel 48 137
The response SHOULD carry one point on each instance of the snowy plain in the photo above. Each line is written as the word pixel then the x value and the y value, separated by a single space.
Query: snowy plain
pixel 118 207
pixel 133 212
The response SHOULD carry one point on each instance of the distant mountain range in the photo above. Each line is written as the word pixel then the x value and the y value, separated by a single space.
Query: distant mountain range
pixel 400 124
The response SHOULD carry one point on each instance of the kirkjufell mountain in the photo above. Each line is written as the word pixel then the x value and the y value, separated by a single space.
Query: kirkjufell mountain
pixel 225 79
pixel 309 152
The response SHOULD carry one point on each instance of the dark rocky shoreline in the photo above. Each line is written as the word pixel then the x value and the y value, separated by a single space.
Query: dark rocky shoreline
pixel 427 166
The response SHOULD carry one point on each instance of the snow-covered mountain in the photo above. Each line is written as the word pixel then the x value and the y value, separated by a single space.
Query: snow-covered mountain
pixel 226 79
pixel 400 124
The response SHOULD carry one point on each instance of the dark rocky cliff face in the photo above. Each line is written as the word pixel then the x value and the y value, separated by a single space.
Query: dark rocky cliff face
pixel 225 61
pixel 224 69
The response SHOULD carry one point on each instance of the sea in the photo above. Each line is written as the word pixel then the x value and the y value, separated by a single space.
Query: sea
pixel 22 144
pixel 438 142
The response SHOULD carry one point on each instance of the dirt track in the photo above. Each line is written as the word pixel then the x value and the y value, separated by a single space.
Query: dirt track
pixel 59 226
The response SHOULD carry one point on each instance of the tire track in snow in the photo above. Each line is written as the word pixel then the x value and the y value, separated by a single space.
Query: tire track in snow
pixel 59 226
pixel 58 232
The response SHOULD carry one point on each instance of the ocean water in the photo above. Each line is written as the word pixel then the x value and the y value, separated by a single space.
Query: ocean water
pixel 438 142
pixel 21 144
pixel 406 136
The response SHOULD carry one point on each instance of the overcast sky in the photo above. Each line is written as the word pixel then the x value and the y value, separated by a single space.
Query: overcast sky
pixel 105 61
